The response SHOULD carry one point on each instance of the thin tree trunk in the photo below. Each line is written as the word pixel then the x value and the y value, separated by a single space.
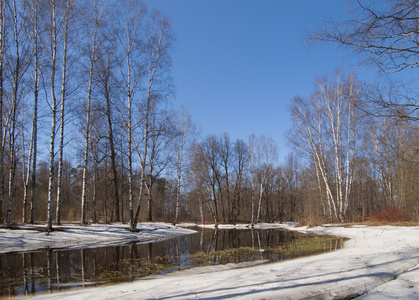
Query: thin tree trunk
pixel 35 116
pixel 130 173
pixel 31 168
pixel 133 225
pixel 68 8
pixel 115 183
pixel 26 179
pixel 2 38
pixel 12 159
pixel 130 141
pixel 32 161
pixel 122 193
pixel 149 202
pixel 214 194
pixel 179 173
pixel 95 178
pixel 155 47
pixel 113 156
pixel 252 177
pixel 16 77
pixel 87 132
pixel 201 207
pixel 260 200
pixel 220 199
pixel 53 115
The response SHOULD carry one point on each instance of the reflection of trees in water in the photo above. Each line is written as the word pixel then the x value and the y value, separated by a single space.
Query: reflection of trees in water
pixel 54 270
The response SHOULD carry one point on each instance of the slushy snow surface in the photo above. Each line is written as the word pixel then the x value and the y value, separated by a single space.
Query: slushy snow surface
pixel 376 262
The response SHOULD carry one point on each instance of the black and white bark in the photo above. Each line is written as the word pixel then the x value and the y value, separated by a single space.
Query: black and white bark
pixel 64 79
pixel 92 59
pixel 326 131
pixel 53 42
pixel 32 8
pixel 2 141
pixel 131 69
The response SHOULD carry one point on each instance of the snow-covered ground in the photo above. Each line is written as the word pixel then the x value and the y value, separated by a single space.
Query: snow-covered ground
pixel 382 260
pixel 76 236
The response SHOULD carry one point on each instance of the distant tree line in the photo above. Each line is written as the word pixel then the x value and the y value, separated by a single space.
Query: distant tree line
pixel 88 134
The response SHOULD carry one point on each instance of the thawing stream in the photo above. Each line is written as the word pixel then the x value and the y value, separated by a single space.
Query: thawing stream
pixel 58 269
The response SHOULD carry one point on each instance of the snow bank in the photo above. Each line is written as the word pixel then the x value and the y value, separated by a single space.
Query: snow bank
pixel 77 236
pixel 369 261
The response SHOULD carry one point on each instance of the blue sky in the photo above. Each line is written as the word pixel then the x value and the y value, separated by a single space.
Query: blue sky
pixel 238 63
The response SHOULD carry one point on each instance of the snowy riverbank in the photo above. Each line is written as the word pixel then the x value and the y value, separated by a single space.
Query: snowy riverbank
pixel 78 236
pixel 383 260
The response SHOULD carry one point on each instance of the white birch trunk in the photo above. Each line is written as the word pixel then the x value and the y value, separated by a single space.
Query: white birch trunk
pixel 130 141
pixel 27 176
pixel 62 116
pixel 87 132
pixel 179 174
pixel 350 151
pixel 259 201
pixel 53 41
pixel 155 46
pixel 133 225
pixel 35 112
pixel 252 172
pixel 16 77
pixel 131 25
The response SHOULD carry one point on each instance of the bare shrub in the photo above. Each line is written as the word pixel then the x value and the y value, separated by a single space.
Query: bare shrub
pixel 387 213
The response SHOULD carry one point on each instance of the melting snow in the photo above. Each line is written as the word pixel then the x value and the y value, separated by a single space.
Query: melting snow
pixel 382 261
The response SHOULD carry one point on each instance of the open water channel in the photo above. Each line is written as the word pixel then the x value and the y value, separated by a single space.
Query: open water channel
pixel 58 269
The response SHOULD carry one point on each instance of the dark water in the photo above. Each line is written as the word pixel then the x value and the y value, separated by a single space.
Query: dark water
pixel 58 269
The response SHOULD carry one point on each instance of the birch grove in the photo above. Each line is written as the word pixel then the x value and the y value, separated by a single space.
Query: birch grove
pixel 325 129
pixel 86 133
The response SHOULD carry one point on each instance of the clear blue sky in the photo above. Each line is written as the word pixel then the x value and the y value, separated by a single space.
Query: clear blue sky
pixel 238 63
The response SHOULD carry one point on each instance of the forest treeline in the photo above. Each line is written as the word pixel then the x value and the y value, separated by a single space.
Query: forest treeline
pixel 88 134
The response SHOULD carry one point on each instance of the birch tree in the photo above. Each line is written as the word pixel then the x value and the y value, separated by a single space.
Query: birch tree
pixel 267 155
pixel 262 156
pixel 184 140
pixel 18 61
pixel 226 154
pixel 51 49
pixel 13 108
pixel 252 166
pixel 159 40
pixel 33 14
pixel 70 23
pixel 93 44
pixel 325 130
pixel 131 65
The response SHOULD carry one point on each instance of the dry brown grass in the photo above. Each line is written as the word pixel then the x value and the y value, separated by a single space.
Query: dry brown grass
pixel 374 222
